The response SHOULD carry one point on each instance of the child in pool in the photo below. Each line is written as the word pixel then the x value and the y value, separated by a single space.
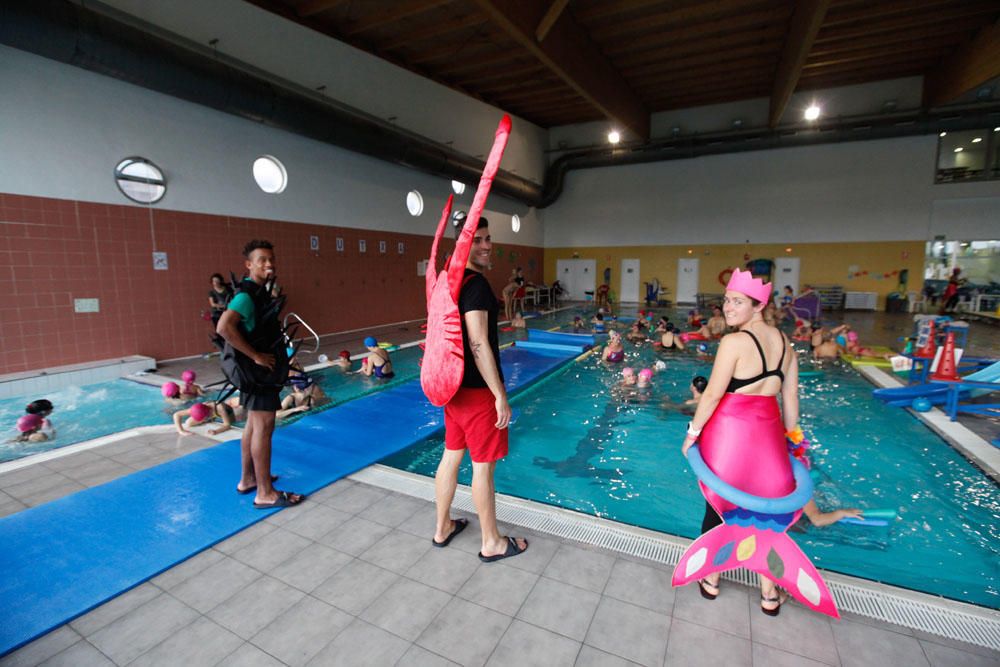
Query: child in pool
pixel 518 321
pixel 698 384
pixel 645 379
pixel 43 408
pixel 201 413
pixel 578 324
pixel 171 393
pixel 190 389
pixel 29 429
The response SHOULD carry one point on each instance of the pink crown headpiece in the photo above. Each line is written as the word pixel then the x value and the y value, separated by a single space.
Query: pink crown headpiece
pixel 744 283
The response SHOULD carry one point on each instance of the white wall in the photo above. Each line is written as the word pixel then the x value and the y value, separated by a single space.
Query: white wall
pixel 858 191
pixel 353 77
pixel 63 129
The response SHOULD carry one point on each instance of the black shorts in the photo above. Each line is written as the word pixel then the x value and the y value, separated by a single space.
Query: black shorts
pixel 262 402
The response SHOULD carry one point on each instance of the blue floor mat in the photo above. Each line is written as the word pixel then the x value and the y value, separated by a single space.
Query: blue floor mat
pixel 63 558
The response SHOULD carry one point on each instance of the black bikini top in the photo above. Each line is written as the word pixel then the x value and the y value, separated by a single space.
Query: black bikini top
pixel 739 383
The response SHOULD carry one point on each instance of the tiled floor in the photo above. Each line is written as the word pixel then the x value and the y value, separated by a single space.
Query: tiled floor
pixel 350 578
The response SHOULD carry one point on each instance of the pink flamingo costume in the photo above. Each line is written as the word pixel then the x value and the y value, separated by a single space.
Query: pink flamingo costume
pixel 746 474
pixel 443 364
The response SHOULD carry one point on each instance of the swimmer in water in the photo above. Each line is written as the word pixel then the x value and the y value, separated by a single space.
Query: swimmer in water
pixel 614 351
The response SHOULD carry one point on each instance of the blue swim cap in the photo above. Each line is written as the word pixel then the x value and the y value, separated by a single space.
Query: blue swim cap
pixel 371 342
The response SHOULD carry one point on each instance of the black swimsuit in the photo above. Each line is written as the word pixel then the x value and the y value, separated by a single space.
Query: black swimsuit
pixel 739 383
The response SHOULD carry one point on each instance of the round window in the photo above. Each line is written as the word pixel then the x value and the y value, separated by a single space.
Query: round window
pixel 458 187
pixel 140 180
pixel 414 203
pixel 515 223
pixel 270 174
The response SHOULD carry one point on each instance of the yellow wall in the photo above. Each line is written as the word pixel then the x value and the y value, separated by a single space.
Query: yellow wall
pixel 821 263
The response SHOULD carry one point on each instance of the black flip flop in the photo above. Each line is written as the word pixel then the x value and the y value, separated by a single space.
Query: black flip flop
pixel 512 550
pixel 284 500
pixel 460 525
pixel 243 492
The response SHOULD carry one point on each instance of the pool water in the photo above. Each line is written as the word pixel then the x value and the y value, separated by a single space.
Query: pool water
pixel 85 412
pixel 583 444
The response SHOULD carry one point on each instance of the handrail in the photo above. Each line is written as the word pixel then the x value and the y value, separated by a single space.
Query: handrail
pixel 303 323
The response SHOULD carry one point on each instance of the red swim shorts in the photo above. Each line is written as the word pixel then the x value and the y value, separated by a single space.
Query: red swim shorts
pixel 470 419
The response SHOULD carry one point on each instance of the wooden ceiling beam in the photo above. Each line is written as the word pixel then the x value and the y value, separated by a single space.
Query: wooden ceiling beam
pixel 657 39
pixel 719 45
pixel 870 13
pixel 569 53
pixel 972 65
pixel 697 61
pixel 552 15
pixel 400 9
pixel 834 80
pixel 957 31
pixel 914 49
pixel 974 11
pixel 922 60
pixel 720 69
pixel 806 20
pixel 605 10
pixel 313 7
pixel 685 15
pixel 433 31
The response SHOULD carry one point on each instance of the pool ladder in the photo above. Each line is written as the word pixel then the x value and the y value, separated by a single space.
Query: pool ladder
pixel 301 321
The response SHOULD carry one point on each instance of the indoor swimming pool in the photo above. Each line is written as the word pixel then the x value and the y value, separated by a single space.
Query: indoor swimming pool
pixel 583 444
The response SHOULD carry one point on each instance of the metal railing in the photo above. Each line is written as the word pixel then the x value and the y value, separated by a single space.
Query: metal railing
pixel 301 321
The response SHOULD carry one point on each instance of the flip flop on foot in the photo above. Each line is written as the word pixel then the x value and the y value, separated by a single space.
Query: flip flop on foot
pixel 251 489
pixel 706 586
pixel 512 550
pixel 460 525
pixel 285 499
pixel 780 600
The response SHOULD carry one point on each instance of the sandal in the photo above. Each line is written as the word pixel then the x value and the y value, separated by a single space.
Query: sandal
pixel 460 525
pixel 781 599
pixel 704 585
pixel 285 499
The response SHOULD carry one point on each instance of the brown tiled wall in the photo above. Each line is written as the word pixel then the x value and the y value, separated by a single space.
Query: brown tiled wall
pixel 53 251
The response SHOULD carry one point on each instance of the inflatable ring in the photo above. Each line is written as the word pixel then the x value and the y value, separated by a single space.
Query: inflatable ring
pixel 793 502
pixel 724 276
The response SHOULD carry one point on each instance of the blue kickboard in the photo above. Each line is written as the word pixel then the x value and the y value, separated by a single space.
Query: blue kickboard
pixel 63 558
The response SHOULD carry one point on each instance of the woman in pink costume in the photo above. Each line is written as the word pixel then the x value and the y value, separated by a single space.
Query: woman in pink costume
pixel 740 432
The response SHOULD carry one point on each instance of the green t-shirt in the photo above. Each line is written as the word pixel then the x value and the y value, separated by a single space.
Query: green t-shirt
pixel 243 304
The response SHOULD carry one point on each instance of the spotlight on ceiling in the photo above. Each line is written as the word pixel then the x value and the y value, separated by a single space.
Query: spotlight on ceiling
pixel 614 136
pixel 889 106
pixel 675 130
pixel 738 123
pixel 943 134
pixel 811 113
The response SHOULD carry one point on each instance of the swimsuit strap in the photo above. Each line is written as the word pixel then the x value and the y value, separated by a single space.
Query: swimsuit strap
pixel 763 359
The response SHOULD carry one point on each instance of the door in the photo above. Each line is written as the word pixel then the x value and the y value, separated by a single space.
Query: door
pixel 687 280
pixel 577 276
pixel 629 292
pixel 786 272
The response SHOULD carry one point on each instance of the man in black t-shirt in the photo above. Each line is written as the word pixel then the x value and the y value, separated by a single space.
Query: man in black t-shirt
pixel 477 417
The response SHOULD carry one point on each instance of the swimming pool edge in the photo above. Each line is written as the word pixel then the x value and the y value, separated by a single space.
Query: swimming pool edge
pixel 914 610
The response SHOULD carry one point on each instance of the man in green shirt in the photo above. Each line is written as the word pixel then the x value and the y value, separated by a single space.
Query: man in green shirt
pixel 237 323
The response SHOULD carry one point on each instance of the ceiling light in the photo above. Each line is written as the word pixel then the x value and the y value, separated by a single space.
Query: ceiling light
pixel 812 113
pixel 996 129
pixel 959 149
pixel 738 123
pixel 675 130
pixel 943 134
pixel 977 140
pixel 614 136
pixel 889 105
pixel 984 93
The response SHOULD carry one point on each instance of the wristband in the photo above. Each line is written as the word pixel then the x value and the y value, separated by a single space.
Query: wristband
pixel 693 432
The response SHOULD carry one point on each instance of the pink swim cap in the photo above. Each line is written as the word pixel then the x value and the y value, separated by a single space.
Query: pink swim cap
pixel 188 376
pixel 200 412
pixel 646 373
pixel 170 390
pixel 852 336
pixel 627 371
pixel 27 423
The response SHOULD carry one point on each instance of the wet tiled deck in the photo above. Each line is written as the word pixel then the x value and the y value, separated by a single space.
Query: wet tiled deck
pixel 350 578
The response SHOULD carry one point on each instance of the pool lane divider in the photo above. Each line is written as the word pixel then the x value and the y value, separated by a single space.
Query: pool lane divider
pixel 63 558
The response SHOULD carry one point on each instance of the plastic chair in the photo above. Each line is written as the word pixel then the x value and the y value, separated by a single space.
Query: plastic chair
pixel 916 301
